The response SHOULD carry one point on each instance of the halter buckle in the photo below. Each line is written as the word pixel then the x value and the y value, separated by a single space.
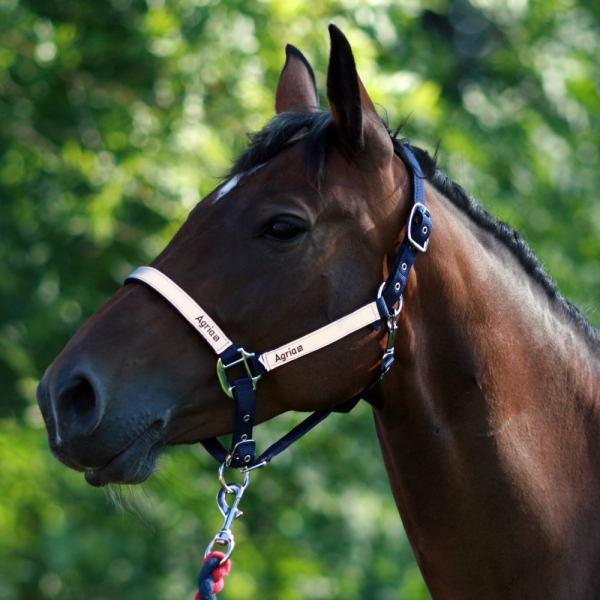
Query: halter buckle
pixel 245 450
pixel 421 208
pixel 222 375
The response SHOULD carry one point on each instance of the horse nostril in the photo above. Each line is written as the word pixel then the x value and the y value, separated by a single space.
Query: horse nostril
pixel 78 409
pixel 81 399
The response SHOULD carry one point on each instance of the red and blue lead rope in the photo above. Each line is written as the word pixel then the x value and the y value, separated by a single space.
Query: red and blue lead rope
pixel 210 578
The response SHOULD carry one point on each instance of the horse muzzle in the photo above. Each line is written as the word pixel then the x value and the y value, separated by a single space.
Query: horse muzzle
pixel 85 435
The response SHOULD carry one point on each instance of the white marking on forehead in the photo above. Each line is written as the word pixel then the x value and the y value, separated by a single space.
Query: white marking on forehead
pixel 228 186
pixel 234 181
pixel 299 136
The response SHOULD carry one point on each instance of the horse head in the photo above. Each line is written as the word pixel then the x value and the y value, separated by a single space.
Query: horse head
pixel 303 231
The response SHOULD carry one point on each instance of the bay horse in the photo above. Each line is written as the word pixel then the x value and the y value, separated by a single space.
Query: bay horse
pixel 488 420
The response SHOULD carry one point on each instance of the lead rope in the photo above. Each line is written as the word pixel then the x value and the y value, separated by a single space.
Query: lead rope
pixel 210 579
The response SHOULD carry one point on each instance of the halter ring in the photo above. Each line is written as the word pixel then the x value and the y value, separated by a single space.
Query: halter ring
pixel 396 311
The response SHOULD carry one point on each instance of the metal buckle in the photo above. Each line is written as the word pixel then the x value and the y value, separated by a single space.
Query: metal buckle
pixel 416 245
pixel 234 451
pixel 222 375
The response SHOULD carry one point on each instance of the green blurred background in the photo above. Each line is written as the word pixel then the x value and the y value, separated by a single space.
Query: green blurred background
pixel 116 117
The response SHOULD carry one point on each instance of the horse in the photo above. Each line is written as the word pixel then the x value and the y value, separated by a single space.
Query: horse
pixel 489 417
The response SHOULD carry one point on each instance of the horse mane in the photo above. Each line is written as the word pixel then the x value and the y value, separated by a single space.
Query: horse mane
pixel 277 133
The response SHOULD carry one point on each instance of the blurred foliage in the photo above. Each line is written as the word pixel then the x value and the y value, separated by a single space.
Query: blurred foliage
pixel 116 117
pixel 307 532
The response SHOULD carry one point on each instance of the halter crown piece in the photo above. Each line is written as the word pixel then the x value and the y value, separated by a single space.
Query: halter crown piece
pixel 242 453
pixel 386 306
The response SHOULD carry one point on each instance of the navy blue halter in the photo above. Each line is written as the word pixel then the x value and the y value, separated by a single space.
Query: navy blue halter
pixel 242 453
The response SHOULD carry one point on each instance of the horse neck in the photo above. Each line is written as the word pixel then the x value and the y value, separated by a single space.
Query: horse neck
pixel 488 421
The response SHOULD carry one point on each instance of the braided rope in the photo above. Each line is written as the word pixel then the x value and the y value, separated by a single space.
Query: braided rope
pixel 210 578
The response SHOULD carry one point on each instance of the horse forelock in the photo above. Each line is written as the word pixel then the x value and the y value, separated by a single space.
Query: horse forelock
pixel 279 132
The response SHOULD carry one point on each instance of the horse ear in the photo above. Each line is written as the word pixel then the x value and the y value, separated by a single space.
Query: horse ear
pixel 356 121
pixel 297 88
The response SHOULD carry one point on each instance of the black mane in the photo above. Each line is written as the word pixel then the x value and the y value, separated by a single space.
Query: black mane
pixel 319 131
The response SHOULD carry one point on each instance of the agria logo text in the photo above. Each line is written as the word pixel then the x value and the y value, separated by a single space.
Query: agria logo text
pixel 203 324
pixel 288 354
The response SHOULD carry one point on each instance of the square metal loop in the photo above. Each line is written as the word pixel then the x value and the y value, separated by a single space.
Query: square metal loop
pixel 222 375
pixel 421 210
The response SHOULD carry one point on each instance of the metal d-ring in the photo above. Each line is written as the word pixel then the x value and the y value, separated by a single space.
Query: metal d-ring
pixel 229 489
pixel 395 311
pixel 222 375
pixel 398 310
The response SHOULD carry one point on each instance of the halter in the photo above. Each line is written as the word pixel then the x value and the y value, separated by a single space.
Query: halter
pixel 386 306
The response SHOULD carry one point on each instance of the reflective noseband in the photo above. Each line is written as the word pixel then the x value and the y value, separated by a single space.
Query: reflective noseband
pixel 387 306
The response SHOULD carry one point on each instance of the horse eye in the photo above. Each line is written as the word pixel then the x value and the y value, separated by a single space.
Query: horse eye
pixel 283 231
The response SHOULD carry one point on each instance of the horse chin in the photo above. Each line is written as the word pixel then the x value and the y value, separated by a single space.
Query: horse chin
pixel 133 465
